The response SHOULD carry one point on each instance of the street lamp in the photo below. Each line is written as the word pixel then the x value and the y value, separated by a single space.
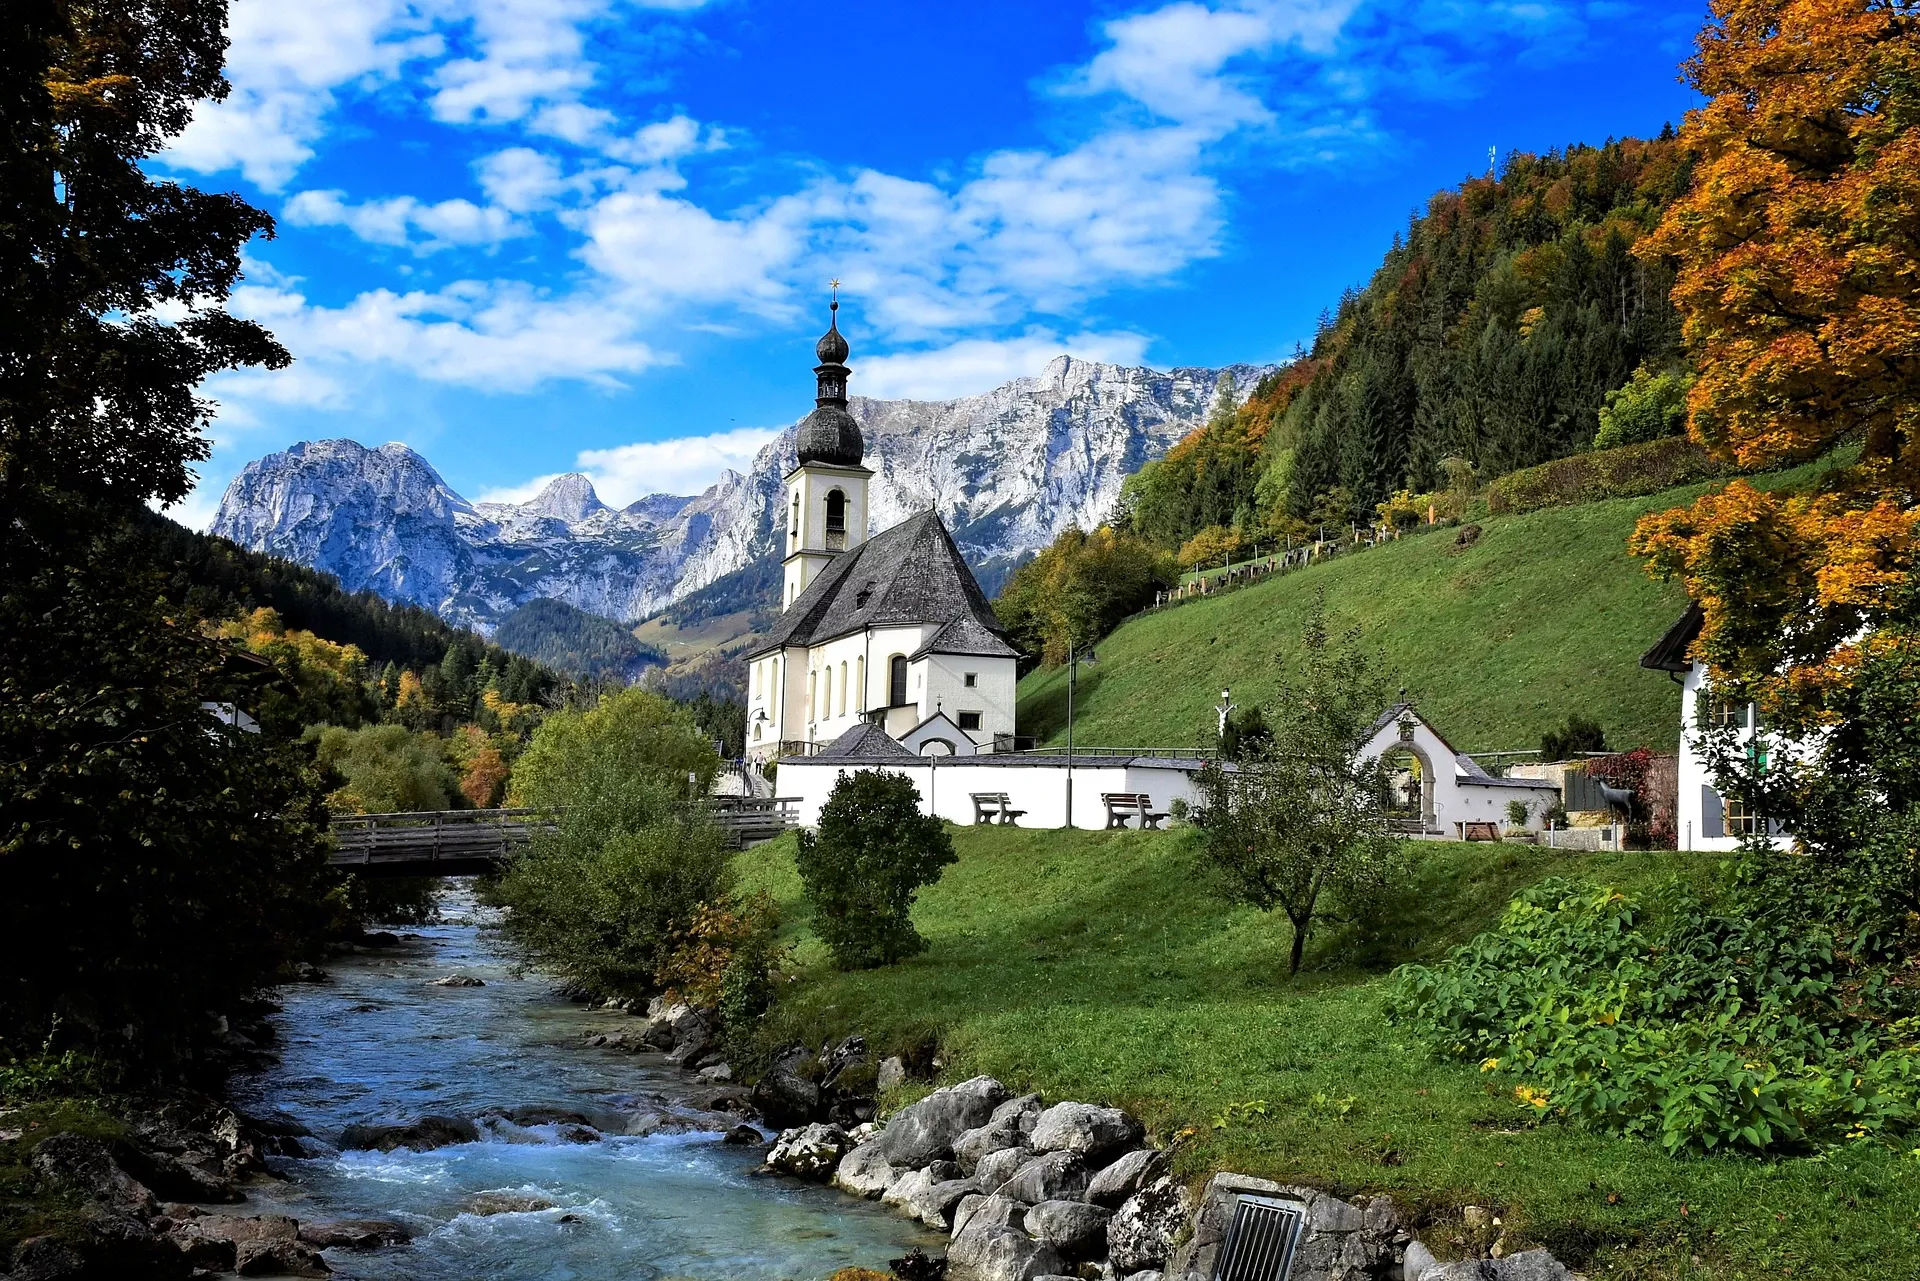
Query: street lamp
pixel 1074 657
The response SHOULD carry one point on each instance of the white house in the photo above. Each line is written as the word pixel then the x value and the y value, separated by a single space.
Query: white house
pixel 892 630
pixel 1703 818
pixel 1437 790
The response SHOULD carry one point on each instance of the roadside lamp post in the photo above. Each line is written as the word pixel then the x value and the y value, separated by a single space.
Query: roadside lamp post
pixel 1074 656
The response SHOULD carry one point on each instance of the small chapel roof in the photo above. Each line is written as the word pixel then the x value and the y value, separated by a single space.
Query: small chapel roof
pixel 909 574
pixel 864 742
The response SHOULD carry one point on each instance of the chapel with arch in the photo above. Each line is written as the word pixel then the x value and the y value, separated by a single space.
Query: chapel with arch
pixel 890 634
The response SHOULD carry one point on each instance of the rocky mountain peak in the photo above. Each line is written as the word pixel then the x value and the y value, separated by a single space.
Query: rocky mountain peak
pixel 570 498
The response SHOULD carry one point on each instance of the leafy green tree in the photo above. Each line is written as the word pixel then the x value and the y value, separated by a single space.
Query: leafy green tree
pixel 181 860
pixel 871 855
pixel 609 898
pixel 630 734
pixel 1581 735
pixel 1652 404
pixel 386 769
pixel 1301 818
pixel 1079 589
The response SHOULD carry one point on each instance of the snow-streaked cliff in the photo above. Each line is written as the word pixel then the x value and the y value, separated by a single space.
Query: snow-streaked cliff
pixel 1007 470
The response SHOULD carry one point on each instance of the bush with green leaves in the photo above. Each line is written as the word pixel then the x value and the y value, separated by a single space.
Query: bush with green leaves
pixel 871 854
pixel 1652 405
pixel 1702 1027
pixel 608 898
pixel 385 769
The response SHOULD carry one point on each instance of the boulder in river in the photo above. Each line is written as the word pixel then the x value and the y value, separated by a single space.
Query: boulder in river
pixel 865 1172
pixel 456 980
pixel 486 1203
pixel 424 1135
pixel 810 1152
pixel 354 1234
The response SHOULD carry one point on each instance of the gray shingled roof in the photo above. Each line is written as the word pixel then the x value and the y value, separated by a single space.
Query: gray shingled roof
pixel 911 573
pixel 967 635
pixel 864 742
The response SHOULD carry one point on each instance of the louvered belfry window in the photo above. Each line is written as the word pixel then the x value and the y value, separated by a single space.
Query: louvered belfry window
pixel 1261 1240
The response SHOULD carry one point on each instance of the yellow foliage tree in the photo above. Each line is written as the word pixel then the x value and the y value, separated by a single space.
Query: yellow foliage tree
pixel 1798 277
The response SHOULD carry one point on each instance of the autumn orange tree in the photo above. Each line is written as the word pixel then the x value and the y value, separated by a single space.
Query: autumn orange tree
pixel 1797 257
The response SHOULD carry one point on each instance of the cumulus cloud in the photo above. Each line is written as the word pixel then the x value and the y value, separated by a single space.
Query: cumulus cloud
pixel 491 335
pixel 685 465
pixel 395 221
pixel 285 62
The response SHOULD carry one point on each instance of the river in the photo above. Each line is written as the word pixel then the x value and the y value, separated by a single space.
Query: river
pixel 378 1044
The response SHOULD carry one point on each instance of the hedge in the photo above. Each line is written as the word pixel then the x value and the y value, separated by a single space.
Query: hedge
pixel 1630 471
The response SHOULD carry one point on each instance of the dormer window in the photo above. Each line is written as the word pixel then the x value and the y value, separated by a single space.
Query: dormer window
pixel 861 597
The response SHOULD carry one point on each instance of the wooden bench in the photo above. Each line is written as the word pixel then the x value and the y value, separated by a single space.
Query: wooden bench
pixel 1481 831
pixel 987 806
pixel 1122 806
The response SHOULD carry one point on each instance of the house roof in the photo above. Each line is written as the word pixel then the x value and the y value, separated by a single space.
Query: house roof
pixel 1669 653
pixel 864 742
pixel 968 636
pixel 911 573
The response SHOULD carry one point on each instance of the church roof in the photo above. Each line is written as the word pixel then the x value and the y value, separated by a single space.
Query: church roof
pixel 864 742
pixel 909 574
pixel 966 634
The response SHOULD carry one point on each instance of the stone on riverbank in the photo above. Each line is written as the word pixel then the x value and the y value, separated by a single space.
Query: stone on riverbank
pixel 89 1166
pixel 865 1172
pixel 1008 1127
pixel 1126 1176
pixel 987 1251
pixel 925 1131
pixel 785 1099
pixel 1142 1234
pixel 1094 1132
pixel 1051 1176
pixel 810 1152
pixel 1075 1230
pixel 1529 1265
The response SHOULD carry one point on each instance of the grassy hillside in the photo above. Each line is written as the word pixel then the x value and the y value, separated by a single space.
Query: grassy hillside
pixel 1545 614
pixel 1101 966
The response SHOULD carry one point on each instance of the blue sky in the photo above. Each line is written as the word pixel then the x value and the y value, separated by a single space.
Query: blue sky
pixel 532 236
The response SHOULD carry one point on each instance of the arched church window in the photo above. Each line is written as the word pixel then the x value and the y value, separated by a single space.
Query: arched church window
pixel 836 512
pixel 897 681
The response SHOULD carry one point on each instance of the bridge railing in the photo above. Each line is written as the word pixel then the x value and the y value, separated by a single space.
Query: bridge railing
pixel 436 835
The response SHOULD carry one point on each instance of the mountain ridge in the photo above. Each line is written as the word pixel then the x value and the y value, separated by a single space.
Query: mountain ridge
pixel 1007 469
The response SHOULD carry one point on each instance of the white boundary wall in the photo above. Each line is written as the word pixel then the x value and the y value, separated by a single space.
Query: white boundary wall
pixel 1036 785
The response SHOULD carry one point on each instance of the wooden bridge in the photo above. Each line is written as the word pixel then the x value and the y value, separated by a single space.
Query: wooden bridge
pixel 473 842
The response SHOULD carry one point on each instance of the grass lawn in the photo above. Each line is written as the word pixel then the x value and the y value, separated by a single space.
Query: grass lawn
pixel 1544 615
pixel 1103 967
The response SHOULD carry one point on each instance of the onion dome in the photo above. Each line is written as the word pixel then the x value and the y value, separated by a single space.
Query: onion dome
pixel 830 434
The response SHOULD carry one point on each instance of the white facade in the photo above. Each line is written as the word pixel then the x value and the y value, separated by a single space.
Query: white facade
pixel 826 510
pixel 1703 818
pixel 814 694
pixel 1452 789
pixel 1037 785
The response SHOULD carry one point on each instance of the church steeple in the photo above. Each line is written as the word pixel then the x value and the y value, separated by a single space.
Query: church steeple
pixel 829 434
pixel 827 491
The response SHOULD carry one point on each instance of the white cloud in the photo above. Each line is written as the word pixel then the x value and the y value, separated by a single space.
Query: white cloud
pixel 520 179
pixel 490 335
pixel 686 465
pixel 285 60
pixel 393 221
pixel 973 365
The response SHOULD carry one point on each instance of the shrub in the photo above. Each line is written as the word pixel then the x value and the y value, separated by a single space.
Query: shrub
pixel 728 961
pixel 1701 1029
pixel 1217 544
pixel 1578 735
pixel 1518 812
pixel 873 851
pixel 385 769
pixel 1651 405
pixel 1627 472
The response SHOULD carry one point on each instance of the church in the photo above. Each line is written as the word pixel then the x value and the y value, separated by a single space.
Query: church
pixel 891 631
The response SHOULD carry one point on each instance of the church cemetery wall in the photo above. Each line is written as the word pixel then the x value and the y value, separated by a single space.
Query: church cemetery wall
pixel 1037 785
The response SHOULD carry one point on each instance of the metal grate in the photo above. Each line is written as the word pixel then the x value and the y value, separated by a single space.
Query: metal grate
pixel 1261 1240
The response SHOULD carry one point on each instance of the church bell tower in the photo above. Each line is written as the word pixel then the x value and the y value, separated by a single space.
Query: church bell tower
pixel 826 492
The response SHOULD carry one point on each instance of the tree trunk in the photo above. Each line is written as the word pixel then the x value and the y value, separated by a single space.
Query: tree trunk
pixel 1299 946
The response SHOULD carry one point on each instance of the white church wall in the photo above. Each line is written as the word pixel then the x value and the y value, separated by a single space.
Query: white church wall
pixel 991 694
pixel 1458 799
pixel 947 785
